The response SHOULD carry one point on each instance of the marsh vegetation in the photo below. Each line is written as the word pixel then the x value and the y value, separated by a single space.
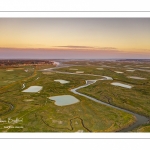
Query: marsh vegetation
pixel 40 114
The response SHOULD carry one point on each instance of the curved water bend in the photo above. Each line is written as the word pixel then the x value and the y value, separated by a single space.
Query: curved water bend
pixel 140 120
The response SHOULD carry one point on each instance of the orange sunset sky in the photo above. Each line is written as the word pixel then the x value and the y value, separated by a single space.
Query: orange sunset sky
pixel 74 38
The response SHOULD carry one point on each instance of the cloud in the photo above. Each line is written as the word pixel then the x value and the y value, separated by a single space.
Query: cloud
pixel 78 47
pixel 65 53
pixel 72 47
pixel 106 48
pixel 86 48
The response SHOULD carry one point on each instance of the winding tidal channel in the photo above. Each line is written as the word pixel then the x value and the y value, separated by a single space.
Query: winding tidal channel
pixel 140 120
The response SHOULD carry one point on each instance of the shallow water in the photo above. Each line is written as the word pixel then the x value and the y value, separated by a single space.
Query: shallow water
pixel 144 70
pixel 62 81
pixel 144 67
pixel 10 70
pixel 23 85
pixel 73 69
pixel 79 71
pixel 28 100
pixel 33 89
pixel 130 70
pixel 122 85
pixel 133 77
pixel 64 100
pixel 118 71
pixel 108 78
pixel 100 68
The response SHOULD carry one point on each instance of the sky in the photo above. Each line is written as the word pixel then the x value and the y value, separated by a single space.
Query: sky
pixel 74 38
